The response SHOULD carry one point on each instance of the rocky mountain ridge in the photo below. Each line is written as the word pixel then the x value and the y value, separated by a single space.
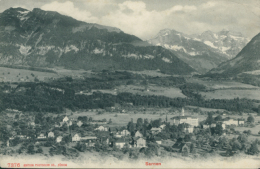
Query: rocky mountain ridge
pixel 203 52
pixel 48 39
pixel 247 61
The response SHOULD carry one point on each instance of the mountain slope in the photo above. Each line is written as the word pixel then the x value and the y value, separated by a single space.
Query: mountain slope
pixel 247 61
pixel 202 52
pixel 48 39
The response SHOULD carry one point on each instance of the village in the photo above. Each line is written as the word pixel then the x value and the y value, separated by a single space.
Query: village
pixel 187 136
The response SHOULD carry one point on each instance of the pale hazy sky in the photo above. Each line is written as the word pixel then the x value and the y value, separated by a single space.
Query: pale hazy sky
pixel 145 18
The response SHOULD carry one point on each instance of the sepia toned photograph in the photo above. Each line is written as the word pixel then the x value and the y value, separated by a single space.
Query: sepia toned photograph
pixel 129 84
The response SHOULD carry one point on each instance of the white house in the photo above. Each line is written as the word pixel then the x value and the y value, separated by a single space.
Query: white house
pixel 41 136
pixel 155 130
pixel 65 119
pixel 241 122
pixel 213 125
pixel 230 122
pixel 125 133
pixel 32 123
pixel 59 139
pixel 11 138
pixel 51 134
pixel 186 119
pixel 158 140
pixel 205 126
pixel 88 138
pixel 101 128
pixel 138 134
pixel 162 126
pixel 22 136
pixel 76 137
pixel 223 126
pixel 194 121
pixel 79 123
pixel 120 143
pixel 118 135
pixel 140 142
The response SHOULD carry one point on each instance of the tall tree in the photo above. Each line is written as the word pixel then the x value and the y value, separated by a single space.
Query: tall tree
pixel 250 119
pixel 139 123
pixel 209 119
pixel 130 126
pixel 253 150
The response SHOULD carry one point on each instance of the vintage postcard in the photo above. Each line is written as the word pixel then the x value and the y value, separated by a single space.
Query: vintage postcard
pixel 129 84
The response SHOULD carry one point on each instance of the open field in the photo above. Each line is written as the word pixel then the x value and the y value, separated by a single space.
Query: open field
pixel 20 75
pixel 221 84
pixel 206 109
pixel 232 93
pixel 254 130
pixel 25 75
pixel 170 92
pixel 152 73
pixel 67 72
pixel 152 90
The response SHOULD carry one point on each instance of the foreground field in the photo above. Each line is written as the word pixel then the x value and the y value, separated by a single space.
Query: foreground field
pixel 95 160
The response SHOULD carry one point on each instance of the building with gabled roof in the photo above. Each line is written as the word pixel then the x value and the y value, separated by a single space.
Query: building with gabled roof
pixel 41 136
pixel 65 119
pixel 76 137
pixel 59 139
pixel 162 126
pixel 158 140
pixel 79 123
pixel 138 134
pixel 140 142
pixel 121 142
pixel 194 121
pixel 125 133
pixel 51 134
pixel 101 128
pixel 156 130
pixel 182 147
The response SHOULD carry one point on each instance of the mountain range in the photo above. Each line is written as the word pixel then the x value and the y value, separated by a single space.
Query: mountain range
pixel 41 38
pixel 203 51
pixel 247 61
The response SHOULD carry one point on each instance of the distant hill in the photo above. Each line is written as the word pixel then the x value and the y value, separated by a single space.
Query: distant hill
pixel 202 52
pixel 47 39
pixel 247 61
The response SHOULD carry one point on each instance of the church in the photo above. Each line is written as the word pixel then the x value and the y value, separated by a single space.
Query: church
pixel 193 121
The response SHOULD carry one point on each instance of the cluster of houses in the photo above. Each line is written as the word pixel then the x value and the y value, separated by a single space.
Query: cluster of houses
pixel 226 122
pixel 124 137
